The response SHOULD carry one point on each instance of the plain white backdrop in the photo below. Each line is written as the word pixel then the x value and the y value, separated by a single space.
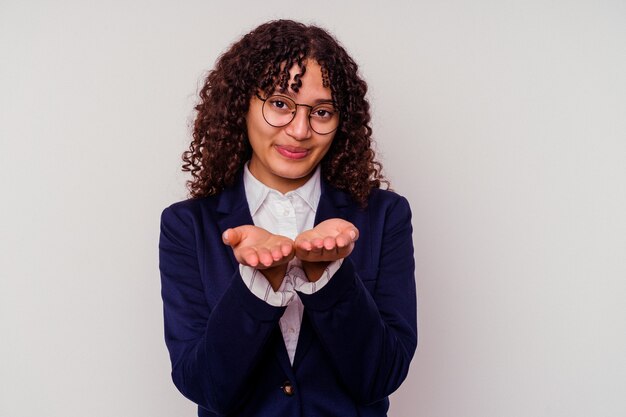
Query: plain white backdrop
pixel 503 122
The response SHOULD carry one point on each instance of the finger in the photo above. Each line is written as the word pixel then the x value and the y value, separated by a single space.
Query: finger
pixel 231 237
pixel 265 256
pixel 346 250
pixel 250 258
pixel 354 234
pixel 343 240
pixel 317 243
pixel 286 249
pixel 304 244
pixel 277 253
pixel 226 237
pixel 329 243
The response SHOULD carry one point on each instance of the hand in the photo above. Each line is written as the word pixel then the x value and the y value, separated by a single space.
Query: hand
pixel 258 248
pixel 329 241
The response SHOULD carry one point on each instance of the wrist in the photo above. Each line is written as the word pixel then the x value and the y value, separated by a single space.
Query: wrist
pixel 314 270
pixel 275 275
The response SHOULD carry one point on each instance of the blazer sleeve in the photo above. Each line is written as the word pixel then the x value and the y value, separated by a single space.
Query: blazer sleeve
pixel 371 335
pixel 213 348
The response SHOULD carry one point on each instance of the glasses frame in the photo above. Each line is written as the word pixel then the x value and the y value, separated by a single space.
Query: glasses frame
pixel 264 100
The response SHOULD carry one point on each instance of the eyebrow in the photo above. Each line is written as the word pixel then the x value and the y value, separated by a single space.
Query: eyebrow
pixel 292 95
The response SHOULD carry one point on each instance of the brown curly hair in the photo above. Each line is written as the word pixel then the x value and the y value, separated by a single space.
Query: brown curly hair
pixel 261 60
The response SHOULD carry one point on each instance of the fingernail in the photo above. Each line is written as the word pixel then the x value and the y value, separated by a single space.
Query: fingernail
pixel 352 234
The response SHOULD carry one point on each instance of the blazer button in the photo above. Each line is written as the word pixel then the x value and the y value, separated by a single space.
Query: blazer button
pixel 287 388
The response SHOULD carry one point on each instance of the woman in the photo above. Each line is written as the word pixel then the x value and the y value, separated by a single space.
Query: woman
pixel 288 277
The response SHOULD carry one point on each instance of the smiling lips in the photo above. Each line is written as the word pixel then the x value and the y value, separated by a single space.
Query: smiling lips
pixel 292 152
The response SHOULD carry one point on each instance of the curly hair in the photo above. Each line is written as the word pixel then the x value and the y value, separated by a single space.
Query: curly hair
pixel 261 60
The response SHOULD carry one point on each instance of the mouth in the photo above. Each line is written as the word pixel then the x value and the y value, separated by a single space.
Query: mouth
pixel 292 152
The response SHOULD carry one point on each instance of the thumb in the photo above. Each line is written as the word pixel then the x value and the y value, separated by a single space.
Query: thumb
pixel 231 237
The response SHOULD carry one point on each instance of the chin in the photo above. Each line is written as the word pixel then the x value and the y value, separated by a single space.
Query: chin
pixel 294 174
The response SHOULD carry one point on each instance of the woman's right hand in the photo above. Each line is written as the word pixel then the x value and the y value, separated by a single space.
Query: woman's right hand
pixel 260 249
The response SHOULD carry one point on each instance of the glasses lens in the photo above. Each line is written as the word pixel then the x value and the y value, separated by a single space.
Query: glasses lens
pixel 278 111
pixel 324 118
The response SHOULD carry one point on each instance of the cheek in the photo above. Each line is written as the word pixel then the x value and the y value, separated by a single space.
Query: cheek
pixel 258 131
pixel 252 124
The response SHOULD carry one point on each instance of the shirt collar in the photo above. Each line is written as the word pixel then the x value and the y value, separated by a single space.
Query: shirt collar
pixel 256 191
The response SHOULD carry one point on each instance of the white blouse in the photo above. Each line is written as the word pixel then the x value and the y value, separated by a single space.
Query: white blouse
pixel 288 215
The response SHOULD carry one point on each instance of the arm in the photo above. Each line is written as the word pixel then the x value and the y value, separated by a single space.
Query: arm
pixel 214 347
pixel 371 337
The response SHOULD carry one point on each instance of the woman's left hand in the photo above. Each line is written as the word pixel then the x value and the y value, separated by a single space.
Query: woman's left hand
pixel 329 241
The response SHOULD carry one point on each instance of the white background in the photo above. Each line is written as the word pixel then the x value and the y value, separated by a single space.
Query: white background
pixel 503 122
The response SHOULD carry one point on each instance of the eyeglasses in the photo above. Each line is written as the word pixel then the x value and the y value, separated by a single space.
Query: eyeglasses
pixel 279 111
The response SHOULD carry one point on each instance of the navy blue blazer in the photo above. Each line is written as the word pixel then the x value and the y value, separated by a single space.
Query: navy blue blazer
pixel 358 334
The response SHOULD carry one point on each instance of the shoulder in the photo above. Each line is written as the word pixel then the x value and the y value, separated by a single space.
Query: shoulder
pixel 189 211
pixel 185 222
pixel 378 199
pixel 387 200
pixel 192 205
pixel 390 211
pixel 229 199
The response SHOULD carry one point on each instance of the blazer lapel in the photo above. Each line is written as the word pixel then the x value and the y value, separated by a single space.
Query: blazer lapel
pixel 234 211
pixel 333 204
pixel 304 339
pixel 281 353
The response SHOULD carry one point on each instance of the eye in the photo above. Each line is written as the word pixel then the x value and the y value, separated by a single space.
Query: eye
pixel 323 113
pixel 278 104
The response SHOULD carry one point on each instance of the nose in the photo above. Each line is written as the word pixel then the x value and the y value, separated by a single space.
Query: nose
pixel 299 128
